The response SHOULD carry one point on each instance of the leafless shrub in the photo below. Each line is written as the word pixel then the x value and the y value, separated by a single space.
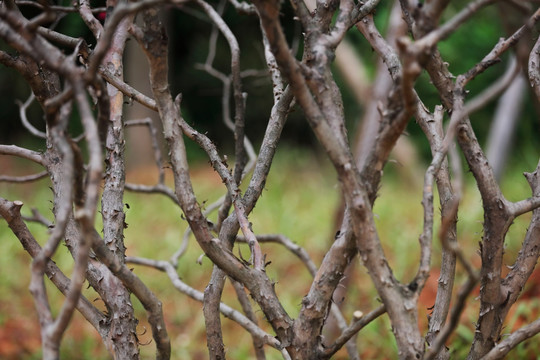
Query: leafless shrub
pixel 66 75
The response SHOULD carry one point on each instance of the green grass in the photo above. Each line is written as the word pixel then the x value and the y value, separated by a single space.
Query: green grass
pixel 299 201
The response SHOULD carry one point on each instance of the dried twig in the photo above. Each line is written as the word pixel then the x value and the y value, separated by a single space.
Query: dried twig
pixel 24 178
pixel 197 295
pixel 356 325
pixel 22 113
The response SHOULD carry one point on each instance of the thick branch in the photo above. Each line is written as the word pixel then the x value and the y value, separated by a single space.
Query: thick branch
pixel 256 281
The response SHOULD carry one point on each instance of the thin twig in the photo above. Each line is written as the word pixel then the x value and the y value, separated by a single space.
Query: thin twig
pixel 445 30
pixel 24 178
pixel 356 325
pixel 185 239
pixel 234 315
pixel 153 189
pixel 495 89
pixel 512 340
pixel 22 113
pixel 158 159
pixel 39 218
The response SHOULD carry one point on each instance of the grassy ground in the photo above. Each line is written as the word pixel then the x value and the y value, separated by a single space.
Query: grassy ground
pixel 300 200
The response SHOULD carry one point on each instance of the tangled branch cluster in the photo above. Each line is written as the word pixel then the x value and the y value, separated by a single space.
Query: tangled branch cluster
pixel 66 74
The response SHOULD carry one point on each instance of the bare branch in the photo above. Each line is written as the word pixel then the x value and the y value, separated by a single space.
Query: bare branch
pixel 158 189
pixel 22 153
pixel 453 24
pixel 24 178
pixel 112 199
pixel 229 312
pixel 185 239
pixel 356 325
pixel 454 318
pixel 87 15
pixel 39 218
pixel 10 211
pixel 491 92
pixel 256 281
pixel 534 66
pixel 24 119
pixel 297 250
pixel 150 302
pixel 348 16
pixel 118 15
pixel 129 91
pixel 248 310
pixel 75 81
pixel 513 339
pixel 524 206
pixel 52 332
pixel 502 46
pixel 237 88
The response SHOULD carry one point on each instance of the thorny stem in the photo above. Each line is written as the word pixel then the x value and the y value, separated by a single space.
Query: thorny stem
pixel 312 85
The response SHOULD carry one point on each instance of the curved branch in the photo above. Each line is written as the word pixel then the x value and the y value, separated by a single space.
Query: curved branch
pixel 493 56
pixel 147 298
pixel 442 32
pixel 226 310
pixel 455 314
pixel 22 113
pixel 524 206
pixel 24 178
pixel 513 340
pixel 495 89
pixel 10 211
pixel 357 325
pixel 239 113
pixel 13 150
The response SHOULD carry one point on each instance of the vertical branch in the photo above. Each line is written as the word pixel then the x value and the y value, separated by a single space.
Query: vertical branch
pixel 213 291
pixel 398 299
pixel 37 48
pixel 63 205
pixel 117 298
pixel 513 284
pixel 212 320
pixel 89 19
pixel 432 126
pixel 250 314
pixel 534 68
pixel 256 281
pixel 239 112
pixel 81 258
pixel 149 301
